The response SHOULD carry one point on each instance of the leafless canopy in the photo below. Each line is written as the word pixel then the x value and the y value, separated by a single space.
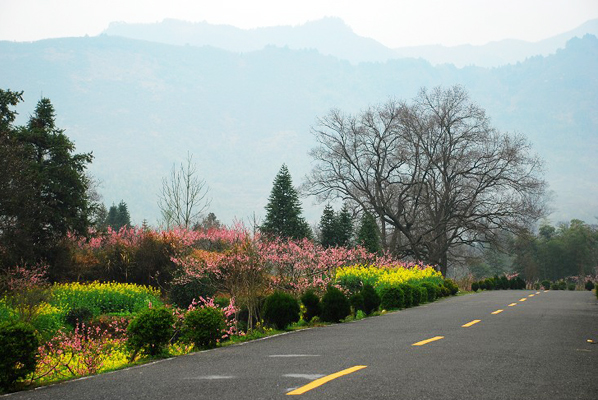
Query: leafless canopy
pixel 184 196
pixel 434 171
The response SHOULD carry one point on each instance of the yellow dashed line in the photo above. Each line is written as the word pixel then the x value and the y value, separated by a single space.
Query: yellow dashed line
pixel 523 299
pixel 323 380
pixel 467 325
pixel 496 312
pixel 512 304
pixel 435 338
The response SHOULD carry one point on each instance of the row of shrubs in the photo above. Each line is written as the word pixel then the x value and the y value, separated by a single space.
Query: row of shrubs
pixel 499 283
pixel 564 285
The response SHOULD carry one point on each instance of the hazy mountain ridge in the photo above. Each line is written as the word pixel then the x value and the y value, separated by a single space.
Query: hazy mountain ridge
pixel 140 106
pixel 331 36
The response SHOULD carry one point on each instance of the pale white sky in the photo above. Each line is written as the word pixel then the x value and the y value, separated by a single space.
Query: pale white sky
pixel 394 23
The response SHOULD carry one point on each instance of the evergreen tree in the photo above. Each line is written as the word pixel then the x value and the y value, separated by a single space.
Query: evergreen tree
pixel 368 235
pixel 344 227
pixel 283 211
pixel 124 218
pixel 328 228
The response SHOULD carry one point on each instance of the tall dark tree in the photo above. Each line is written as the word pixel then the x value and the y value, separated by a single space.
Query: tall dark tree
pixel 118 216
pixel 52 186
pixel 368 234
pixel 344 227
pixel 283 211
pixel 328 228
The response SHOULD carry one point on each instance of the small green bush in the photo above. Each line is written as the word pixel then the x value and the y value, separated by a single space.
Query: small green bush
pixel 150 331
pixel 431 288
pixel 371 299
pixel 78 315
pixel 281 309
pixel 311 301
pixel 475 286
pixel 407 295
pixel 503 283
pixel 554 286
pixel 415 294
pixel 482 285
pixel 562 285
pixel 335 305
pixel 571 286
pixel 520 283
pixel 452 286
pixel 423 294
pixel 203 327
pixel 392 297
pixel 357 302
pixel 537 286
pixel 589 285
pixel 545 284
pixel 490 284
pixel 18 350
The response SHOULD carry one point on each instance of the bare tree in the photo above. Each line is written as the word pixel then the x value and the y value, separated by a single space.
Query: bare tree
pixel 434 171
pixel 184 196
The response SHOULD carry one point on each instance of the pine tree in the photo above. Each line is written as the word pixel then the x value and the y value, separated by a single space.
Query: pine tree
pixel 124 218
pixel 328 228
pixel 283 211
pixel 344 227
pixel 368 235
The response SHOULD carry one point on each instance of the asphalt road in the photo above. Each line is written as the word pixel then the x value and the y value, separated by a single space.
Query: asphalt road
pixel 534 349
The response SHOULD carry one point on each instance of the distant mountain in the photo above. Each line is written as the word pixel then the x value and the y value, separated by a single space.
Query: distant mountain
pixel 495 54
pixel 330 36
pixel 140 106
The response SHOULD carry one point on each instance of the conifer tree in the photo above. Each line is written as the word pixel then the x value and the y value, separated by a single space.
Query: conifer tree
pixel 344 227
pixel 368 235
pixel 283 211
pixel 328 229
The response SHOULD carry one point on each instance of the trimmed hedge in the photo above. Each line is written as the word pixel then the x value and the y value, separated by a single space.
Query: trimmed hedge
pixel 204 326
pixel 281 309
pixel 311 301
pixel 18 350
pixel 150 331
pixel 335 305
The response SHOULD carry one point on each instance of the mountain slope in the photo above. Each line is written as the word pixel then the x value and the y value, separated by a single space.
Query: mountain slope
pixel 140 106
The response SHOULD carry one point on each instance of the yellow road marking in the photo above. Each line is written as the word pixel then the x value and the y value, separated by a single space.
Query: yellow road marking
pixel 523 299
pixel 537 292
pixel 512 304
pixel 496 312
pixel 435 338
pixel 546 290
pixel 531 295
pixel 467 325
pixel 323 380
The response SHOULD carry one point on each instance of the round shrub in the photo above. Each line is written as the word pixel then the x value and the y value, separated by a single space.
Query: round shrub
pixel 571 286
pixel 407 295
pixel 554 286
pixel 589 285
pixel 18 349
pixel 431 288
pixel 546 284
pixel 281 309
pixel 537 286
pixel 444 291
pixel 423 294
pixel 392 298
pixel 311 301
pixel 520 283
pixel 335 305
pixel 562 285
pixel 452 286
pixel 475 286
pixel 371 299
pixel 489 284
pixel 357 302
pixel 203 327
pixel 482 285
pixel 416 294
pixel 150 331
pixel 503 283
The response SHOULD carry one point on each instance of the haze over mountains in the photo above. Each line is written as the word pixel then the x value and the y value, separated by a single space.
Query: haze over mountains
pixel 244 109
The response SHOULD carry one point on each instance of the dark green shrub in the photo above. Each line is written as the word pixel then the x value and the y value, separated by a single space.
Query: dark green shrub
pixel 335 305
pixel 554 286
pixel 357 302
pixel 281 309
pixel 150 331
pixel 482 285
pixel 489 283
pixel 562 285
pixel 311 301
pixel 589 285
pixel 182 295
pixel 546 284
pixel 537 286
pixel 520 283
pixel 416 295
pixel 203 327
pixel 475 286
pixel 392 298
pixel 407 295
pixel 452 286
pixel 18 350
pixel 423 294
pixel 444 291
pixel 371 299
pixel 571 286
pixel 79 315
pixel 431 288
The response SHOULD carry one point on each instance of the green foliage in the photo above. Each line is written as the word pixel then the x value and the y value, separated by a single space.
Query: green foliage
pixel 546 284
pixel 78 315
pixel 554 286
pixel 203 327
pixel 336 229
pixel 589 285
pixel 475 286
pixel 423 294
pixel 18 350
pixel 118 216
pixel 431 289
pixel 45 192
pixel 451 286
pixel 392 297
pixel 562 285
pixel 311 301
pixel 335 305
pixel 182 295
pixel 408 295
pixel 281 309
pixel 571 286
pixel 283 211
pixel 368 234
pixel 371 299
pixel 150 331
pixel 357 302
